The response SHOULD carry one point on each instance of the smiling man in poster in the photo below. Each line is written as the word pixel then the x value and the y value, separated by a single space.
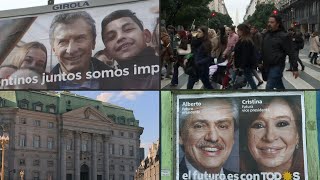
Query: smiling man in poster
pixel 206 136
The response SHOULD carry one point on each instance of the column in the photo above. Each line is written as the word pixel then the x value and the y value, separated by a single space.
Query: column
pixel 94 156
pixel 77 155
pixel 106 156
pixel 63 163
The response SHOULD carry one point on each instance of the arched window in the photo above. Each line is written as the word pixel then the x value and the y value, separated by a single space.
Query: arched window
pixel 37 106
pixel 122 120
pixel 23 104
pixel 51 108
pixel 112 116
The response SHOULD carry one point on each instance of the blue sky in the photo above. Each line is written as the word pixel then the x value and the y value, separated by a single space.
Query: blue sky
pixel 145 106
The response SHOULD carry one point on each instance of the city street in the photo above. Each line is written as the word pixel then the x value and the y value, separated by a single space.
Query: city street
pixel 308 79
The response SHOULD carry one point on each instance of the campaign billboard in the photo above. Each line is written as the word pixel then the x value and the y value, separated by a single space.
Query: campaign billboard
pixel 241 136
pixel 81 45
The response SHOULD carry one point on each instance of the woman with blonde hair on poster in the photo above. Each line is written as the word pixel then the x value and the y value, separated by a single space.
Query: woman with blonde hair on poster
pixel 32 55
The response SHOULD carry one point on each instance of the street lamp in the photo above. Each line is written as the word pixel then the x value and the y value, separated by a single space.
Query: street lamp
pixel 4 140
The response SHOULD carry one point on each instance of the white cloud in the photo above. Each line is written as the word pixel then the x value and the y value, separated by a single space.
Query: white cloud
pixel 130 95
pixel 105 97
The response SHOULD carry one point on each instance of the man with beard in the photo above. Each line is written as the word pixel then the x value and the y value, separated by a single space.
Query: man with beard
pixel 206 136
pixel 126 41
pixel 276 45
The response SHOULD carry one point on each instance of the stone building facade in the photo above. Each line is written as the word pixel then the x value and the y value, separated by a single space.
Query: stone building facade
pixel 303 14
pixel 149 168
pixel 64 136
pixel 218 6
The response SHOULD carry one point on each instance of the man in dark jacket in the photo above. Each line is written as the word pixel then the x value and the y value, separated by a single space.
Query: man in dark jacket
pixel 72 37
pixel 126 41
pixel 277 44
pixel 298 44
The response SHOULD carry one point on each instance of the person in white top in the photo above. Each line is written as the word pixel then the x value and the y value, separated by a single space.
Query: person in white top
pixel 314 47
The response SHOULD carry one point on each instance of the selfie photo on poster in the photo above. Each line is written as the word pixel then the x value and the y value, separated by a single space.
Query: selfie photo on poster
pixel 241 136
pixel 79 46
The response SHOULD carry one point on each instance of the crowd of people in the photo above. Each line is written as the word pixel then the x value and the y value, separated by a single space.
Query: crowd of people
pixel 232 57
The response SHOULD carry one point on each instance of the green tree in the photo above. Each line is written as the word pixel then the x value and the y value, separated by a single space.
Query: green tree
pixel 184 12
pixel 260 17
pixel 220 20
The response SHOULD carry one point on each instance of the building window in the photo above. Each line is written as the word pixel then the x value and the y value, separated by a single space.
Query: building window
pixel 69 144
pixel 37 122
pixel 121 153
pixel 36 141
pixel 121 133
pixel 50 163
pixel 36 175
pixel 50 142
pixel 112 132
pixel 131 151
pixel 23 104
pixel 99 147
pixel 51 108
pixel 131 168
pixel 36 162
pixel 131 121
pixel 121 167
pixel 23 121
pixel 131 177
pixel 111 177
pixel 22 162
pixel 122 120
pixel 38 108
pixel 130 135
pixel 111 167
pixel 111 148
pixel 50 125
pixel 112 117
pixel 99 177
pixel 69 176
pixel 22 140
pixel 121 177
pixel 85 145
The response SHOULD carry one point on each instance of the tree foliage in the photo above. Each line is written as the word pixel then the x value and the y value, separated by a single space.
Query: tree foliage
pixel 220 20
pixel 260 17
pixel 184 12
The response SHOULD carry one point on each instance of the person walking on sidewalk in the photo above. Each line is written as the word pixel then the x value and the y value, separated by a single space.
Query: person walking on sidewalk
pixel 244 54
pixel 298 44
pixel 201 49
pixel 257 41
pixel 276 45
pixel 314 47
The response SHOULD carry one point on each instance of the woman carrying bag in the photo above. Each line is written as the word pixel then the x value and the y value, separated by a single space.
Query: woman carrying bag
pixel 201 48
pixel 183 49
